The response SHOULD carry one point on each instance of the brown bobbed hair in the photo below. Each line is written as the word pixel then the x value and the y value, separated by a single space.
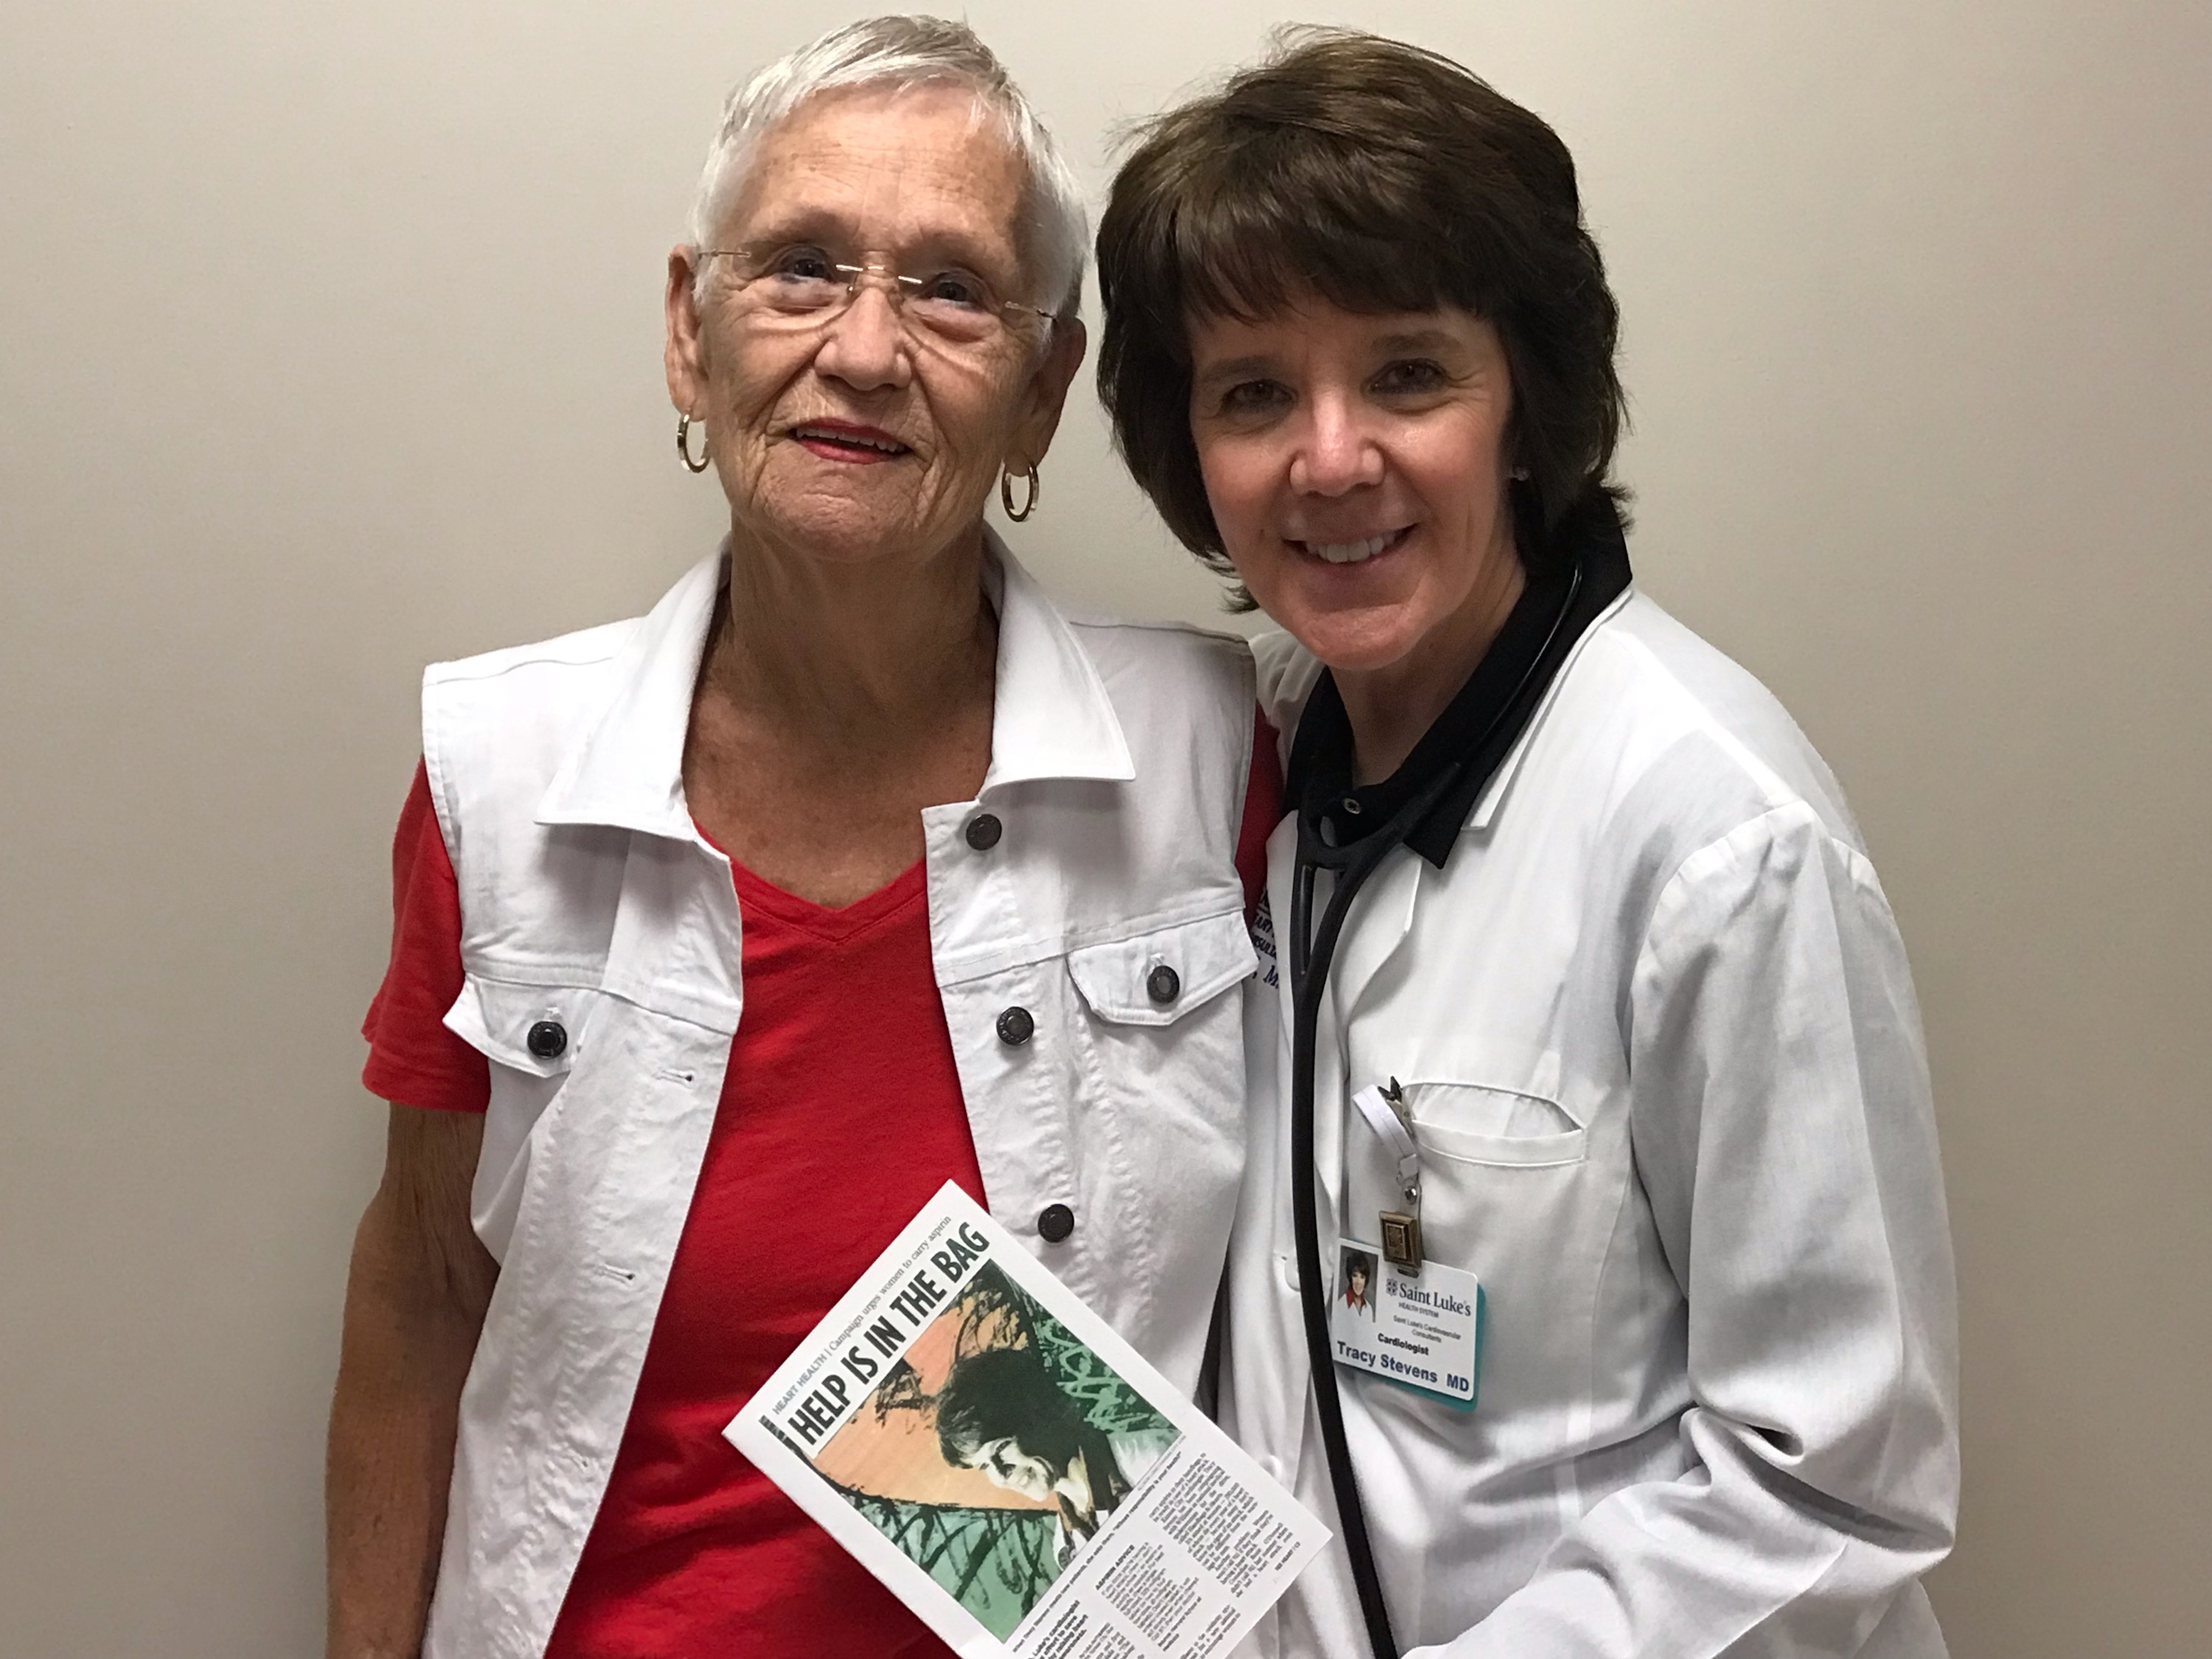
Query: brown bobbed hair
pixel 1380 178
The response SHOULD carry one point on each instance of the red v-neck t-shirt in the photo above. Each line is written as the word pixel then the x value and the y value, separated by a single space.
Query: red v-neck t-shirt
pixel 842 1050
pixel 840 1114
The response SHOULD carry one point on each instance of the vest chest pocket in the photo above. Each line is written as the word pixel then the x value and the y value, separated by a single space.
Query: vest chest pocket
pixel 1157 978
pixel 1156 1111
pixel 1164 1040
pixel 536 1030
pixel 508 1023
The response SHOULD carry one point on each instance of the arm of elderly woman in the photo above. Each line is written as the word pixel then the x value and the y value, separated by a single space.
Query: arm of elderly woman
pixel 1783 1132
pixel 415 1304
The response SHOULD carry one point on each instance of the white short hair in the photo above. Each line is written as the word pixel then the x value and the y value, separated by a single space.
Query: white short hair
pixel 902 53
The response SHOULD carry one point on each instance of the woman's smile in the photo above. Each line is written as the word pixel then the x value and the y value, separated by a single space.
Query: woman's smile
pixel 846 442
pixel 1340 550
pixel 1346 551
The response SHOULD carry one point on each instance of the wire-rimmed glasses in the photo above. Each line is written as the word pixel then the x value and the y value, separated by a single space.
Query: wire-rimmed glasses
pixel 808 286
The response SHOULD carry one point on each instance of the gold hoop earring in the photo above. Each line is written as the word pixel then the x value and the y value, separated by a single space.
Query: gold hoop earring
pixel 1007 494
pixel 684 444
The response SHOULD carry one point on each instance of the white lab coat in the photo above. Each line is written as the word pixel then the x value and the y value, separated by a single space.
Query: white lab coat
pixel 1655 1029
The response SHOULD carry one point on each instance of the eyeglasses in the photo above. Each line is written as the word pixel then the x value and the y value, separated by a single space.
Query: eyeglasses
pixel 807 286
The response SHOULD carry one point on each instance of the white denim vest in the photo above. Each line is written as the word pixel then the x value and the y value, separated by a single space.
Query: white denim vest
pixel 589 899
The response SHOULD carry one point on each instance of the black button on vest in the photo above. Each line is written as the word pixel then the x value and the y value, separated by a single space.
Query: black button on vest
pixel 548 1039
pixel 983 832
pixel 1016 1027
pixel 1054 1223
pixel 1164 984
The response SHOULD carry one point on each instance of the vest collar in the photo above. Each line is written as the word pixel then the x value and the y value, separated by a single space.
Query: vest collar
pixel 1050 716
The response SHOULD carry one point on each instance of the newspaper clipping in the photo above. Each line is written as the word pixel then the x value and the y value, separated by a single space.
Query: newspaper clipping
pixel 1013 1469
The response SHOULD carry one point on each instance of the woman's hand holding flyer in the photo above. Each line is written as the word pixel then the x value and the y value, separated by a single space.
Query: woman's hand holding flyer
pixel 1013 1470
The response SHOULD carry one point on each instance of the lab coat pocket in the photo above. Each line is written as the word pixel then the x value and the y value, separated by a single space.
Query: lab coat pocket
pixel 1496 1126
pixel 1472 1123
pixel 1507 1194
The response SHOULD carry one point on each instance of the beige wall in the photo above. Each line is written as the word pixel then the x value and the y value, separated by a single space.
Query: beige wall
pixel 329 345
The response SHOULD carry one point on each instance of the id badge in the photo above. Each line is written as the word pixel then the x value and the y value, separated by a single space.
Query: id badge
pixel 1422 1331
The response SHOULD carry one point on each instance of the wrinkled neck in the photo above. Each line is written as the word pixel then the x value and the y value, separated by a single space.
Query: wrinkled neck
pixel 852 647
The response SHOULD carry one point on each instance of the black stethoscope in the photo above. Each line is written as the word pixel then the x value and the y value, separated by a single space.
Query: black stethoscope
pixel 1313 949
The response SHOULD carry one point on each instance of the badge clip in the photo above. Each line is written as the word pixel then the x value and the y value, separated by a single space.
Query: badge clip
pixel 1401 1240
pixel 1387 1114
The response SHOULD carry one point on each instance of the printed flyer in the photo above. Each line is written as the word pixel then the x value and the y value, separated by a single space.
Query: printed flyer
pixel 1013 1469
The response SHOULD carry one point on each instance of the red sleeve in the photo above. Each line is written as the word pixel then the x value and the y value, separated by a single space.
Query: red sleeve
pixel 413 1059
pixel 1263 811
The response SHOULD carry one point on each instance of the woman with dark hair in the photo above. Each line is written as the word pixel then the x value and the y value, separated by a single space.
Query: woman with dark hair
pixel 1001 1412
pixel 1359 1278
pixel 1593 994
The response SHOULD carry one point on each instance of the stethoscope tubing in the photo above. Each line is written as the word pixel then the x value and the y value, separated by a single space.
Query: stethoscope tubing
pixel 1308 982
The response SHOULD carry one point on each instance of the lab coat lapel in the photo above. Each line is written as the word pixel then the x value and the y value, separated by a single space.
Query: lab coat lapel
pixel 1381 920
pixel 1382 917
pixel 1271 1403
pixel 1329 1118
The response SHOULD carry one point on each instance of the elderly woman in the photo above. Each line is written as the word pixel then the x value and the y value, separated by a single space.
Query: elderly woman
pixel 725 937
pixel 1594 1020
